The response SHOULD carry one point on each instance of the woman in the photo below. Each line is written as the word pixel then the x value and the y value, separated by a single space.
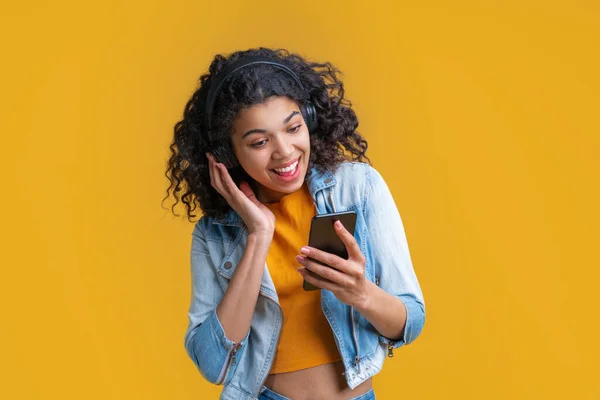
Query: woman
pixel 267 141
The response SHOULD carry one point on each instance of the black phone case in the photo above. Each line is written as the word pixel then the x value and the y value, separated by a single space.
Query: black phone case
pixel 323 236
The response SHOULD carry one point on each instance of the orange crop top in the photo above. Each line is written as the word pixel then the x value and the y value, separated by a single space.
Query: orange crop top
pixel 306 338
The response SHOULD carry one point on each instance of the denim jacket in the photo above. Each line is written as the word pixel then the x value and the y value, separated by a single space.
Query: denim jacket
pixel 218 245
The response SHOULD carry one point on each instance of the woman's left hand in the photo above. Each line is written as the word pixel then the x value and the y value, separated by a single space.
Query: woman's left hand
pixel 344 278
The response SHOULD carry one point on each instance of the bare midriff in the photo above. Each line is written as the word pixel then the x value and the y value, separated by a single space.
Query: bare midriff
pixel 323 382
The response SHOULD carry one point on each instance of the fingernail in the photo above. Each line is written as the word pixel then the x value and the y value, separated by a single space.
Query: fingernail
pixel 338 224
pixel 300 259
pixel 305 250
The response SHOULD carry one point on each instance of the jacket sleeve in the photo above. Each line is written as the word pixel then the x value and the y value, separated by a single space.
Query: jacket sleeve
pixel 205 342
pixel 391 256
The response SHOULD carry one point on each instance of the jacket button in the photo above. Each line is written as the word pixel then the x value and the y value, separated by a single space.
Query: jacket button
pixel 228 265
pixel 327 180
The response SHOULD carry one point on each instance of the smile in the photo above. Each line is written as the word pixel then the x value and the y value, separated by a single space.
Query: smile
pixel 287 170
pixel 288 173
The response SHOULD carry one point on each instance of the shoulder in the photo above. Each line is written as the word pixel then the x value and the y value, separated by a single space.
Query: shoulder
pixel 202 225
pixel 201 229
pixel 354 180
pixel 218 231
pixel 358 173
pixel 351 170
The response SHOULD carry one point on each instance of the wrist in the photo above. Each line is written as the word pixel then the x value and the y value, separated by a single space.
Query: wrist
pixel 365 303
pixel 261 237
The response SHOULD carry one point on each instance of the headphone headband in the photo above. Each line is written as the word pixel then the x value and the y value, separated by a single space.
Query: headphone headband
pixel 232 69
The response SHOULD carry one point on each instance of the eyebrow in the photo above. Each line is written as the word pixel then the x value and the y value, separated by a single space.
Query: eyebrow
pixel 285 121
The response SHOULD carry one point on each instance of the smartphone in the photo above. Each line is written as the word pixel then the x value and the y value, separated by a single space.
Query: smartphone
pixel 324 237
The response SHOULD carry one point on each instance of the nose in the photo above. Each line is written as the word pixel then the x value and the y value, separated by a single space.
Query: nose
pixel 283 149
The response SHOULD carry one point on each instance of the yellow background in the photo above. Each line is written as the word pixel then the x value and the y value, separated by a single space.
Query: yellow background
pixel 481 116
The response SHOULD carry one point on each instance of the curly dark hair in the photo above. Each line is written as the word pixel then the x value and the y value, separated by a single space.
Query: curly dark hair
pixel 334 140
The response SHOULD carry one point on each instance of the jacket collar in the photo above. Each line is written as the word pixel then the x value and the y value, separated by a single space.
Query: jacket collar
pixel 317 180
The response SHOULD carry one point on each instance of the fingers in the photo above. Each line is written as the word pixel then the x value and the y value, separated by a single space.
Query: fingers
pixel 248 192
pixel 226 179
pixel 218 176
pixel 211 172
pixel 217 180
pixel 325 258
pixel 318 281
pixel 324 271
pixel 348 239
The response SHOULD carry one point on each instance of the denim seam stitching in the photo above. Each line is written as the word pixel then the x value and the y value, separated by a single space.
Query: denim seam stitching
pixel 271 345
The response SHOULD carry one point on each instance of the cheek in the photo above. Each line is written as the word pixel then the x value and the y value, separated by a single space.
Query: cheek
pixel 254 163
pixel 305 143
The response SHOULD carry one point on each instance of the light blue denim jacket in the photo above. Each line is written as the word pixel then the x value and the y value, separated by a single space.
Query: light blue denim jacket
pixel 218 246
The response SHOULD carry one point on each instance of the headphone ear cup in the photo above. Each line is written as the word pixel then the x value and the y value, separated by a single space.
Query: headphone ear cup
pixel 231 160
pixel 224 155
pixel 309 113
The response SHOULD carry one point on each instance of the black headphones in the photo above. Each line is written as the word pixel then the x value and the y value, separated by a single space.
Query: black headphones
pixel 222 151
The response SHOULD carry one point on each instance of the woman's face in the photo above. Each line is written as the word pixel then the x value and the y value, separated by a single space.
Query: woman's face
pixel 270 136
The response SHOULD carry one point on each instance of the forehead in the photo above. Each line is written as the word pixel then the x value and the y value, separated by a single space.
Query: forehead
pixel 272 110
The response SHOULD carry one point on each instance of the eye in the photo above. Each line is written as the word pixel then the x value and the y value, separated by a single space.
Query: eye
pixel 258 144
pixel 295 128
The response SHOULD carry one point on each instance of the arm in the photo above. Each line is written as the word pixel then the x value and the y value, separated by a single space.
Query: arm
pixel 237 306
pixel 219 325
pixel 396 307
pixel 385 312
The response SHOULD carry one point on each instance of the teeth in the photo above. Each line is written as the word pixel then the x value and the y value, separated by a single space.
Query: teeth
pixel 287 169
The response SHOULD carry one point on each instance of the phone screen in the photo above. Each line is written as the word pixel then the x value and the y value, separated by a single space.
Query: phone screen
pixel 324 237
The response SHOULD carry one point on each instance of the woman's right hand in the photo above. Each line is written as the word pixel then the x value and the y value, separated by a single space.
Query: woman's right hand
pixel 258 218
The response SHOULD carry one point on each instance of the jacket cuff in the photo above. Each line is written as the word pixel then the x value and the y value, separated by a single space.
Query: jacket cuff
pixel 211 350
pixel 219 332
pixel 415 319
